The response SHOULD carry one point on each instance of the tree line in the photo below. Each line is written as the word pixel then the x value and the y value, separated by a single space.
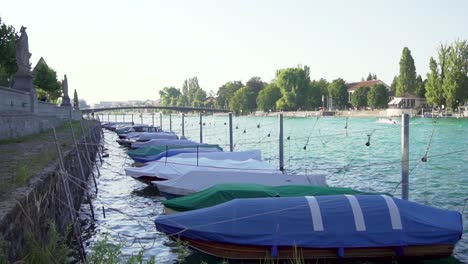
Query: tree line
pixel 48 87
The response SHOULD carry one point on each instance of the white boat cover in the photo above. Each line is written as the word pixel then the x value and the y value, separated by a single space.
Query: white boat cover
pixel 163 142
pixel 196 181
pixel 240 155
pixel 174 167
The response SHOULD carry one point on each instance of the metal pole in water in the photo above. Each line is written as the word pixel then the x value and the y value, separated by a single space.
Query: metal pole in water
pixel 201 128
pixel 281 156
pixel 160 121
pixel 124 117
pixel 183 124
pixel 132 117
pixel 404 156
pixel 170 122
pixel 152 119
pixel 231 146
pixel 141 117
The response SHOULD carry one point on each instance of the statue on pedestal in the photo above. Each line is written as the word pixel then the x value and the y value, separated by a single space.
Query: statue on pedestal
pixel 65 97
pixel 76 103
pixel 22 53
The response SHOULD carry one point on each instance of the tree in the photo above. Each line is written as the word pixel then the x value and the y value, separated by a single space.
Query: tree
pixel 294 84
pixel 339 93
pixel 434 93
pixel 407 77
pixel 455 84
pixel 378 96
pixel 199 97
pixel 315 93
pixel 8 67
pixel 420 89
pixel 371 77
pixel 267 97
pixel 169 96
pixel 182 100
pixel 225 93
pixel 394 85
pixel 359 97
pixel 255 84
pixel 243 101
pixel 46 83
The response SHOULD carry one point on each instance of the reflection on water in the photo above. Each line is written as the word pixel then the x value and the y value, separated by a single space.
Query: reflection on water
pixel 125 209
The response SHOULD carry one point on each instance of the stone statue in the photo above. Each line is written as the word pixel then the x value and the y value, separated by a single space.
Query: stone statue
pixel 76 103
pixel 22 53
pixel 65 97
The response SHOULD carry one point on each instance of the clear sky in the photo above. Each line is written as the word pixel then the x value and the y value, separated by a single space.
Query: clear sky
pixel 122 50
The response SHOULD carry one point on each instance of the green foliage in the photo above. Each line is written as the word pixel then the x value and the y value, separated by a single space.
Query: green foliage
pixel 359 97
pixel 394 85
pixel 407 77
pixel 266 99
pixel 339 92
pixel 8 67
pixel 243 101
pixel 54 250
pixel 371 77
pixel 434 93
pixel 45 79
pixel 420 87
pixel 255 84
pixel 294 84
pixel 225 93
pixel 455 84
pixel 169 96
pixel 378 96
pixel 315 94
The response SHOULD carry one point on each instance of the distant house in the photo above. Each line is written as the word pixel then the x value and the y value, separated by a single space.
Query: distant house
pixel 407 101
pixel 352 87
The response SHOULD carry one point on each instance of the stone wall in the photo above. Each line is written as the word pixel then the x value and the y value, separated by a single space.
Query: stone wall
pixel 29 209
pixel 14 101
pixel 14 126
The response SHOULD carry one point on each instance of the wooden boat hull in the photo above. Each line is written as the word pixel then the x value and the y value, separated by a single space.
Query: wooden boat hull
pixel 234 251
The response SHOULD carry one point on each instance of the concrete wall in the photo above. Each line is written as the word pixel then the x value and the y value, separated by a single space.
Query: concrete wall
pixel 29 209
pixel 14 101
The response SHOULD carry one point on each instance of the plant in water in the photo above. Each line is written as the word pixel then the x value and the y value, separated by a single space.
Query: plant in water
pixel 182 250
pixel 104 252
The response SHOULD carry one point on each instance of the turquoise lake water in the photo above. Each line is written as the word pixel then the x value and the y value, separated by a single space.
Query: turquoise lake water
pixel 332 146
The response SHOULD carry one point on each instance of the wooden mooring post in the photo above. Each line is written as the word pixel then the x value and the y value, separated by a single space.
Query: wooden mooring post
pixel 183 124
pixel 170 122
pixel 281 154
pixel 231 141
pixel 160 121
pixel 404 156
pixel 201 127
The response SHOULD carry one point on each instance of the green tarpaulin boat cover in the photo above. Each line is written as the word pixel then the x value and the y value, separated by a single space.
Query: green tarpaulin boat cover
pixel 222 193
pixel 156 150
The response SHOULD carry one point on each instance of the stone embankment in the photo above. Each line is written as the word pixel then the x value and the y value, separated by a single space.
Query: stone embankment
pixel 52 194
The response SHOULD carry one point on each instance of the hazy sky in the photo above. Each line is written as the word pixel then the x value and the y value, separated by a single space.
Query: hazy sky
pixel 121 50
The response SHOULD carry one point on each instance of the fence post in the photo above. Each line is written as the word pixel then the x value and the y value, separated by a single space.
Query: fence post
pixel 183 124
pixel 201 128
pixel 170 122
pixel 281 155
pixel 404 156
pixel 160 120
pixel 231 141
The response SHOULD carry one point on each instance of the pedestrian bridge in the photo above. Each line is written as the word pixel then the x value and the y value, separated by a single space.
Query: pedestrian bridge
pixel 173 108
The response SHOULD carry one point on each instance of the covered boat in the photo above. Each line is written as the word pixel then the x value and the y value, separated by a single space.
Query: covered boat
pixel 163 142
pixel 156 150
pixel 317 227
pixel 173 152
pixel 222 193
pixel 196 181
pixel 174 167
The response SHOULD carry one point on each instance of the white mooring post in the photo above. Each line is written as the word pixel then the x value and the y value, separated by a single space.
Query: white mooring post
pixel 231 141
pixel 404 156
pixel 160 121
pixel 170 122
pixel 183 124
pixel 201 128
pixel 281 156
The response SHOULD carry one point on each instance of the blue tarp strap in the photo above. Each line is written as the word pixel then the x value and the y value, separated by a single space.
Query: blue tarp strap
pixel 399 251
pixel 274 251
pixel 340 252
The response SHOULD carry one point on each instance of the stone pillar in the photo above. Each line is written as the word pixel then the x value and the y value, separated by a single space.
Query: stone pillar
pixel 65 97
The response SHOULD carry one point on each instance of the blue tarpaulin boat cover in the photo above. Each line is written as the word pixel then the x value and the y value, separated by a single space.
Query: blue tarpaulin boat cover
pixel 172 152
pixel 336 221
